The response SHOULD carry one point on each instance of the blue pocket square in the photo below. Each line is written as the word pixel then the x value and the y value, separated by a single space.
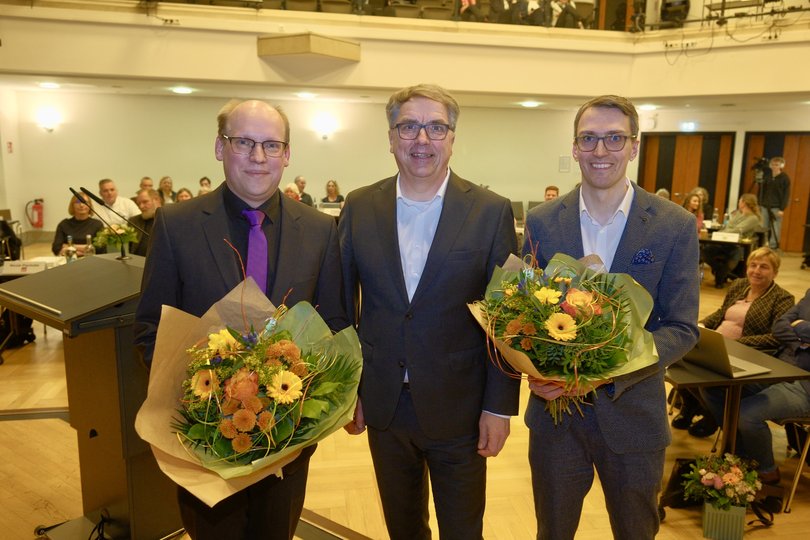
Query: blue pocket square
pixel 643 256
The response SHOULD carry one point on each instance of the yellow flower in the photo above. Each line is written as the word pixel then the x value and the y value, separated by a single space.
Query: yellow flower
pixel 221 341
pixel 285 387
pixel 547 296
pixel 509 291
pixel 562 327
pixel 204 383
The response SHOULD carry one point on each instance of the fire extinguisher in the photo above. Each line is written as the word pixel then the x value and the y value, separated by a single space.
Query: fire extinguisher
pixel 34 211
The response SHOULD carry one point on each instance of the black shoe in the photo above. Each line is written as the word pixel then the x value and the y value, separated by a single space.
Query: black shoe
pixel 682 421
pixel 705 427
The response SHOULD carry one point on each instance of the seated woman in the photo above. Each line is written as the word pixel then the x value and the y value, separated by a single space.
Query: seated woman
pixel 184 194
pixel 333 193
pixel 291 191
pixel 78 225
pixel 692 203
pixel 750 309
pixel 723 258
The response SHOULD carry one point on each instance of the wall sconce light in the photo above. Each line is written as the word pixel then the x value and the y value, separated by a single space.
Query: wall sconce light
pixel 324 125
pixel 48 119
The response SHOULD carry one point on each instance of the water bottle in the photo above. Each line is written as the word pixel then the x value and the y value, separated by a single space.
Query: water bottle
pixel 725 219
pixel 70 250
pixel 89 249
pixel 716 216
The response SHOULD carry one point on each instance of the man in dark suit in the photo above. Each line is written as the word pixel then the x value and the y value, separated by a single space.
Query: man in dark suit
pixel 191 265
pixel 623 432
pixel 421 245
pixel 148 200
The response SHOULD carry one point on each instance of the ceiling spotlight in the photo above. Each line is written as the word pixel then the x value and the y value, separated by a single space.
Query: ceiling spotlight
pixel 647 107
pixel 306 95
pixel 184 90
pixel 530 104
pixel 49 85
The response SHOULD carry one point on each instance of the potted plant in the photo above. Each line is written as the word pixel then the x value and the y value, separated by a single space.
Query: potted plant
pixel 726 485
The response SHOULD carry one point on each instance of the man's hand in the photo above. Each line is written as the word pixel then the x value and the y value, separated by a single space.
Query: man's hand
pixel 550 390
pixel 358 423
pixel 492 433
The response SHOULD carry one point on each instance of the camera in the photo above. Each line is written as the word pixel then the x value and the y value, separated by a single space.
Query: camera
pixel 761 164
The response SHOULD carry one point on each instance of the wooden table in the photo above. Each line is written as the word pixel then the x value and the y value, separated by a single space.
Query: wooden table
pixel 684 375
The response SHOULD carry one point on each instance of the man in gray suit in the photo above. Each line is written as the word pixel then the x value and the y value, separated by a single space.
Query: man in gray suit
pixel 623 432
pixel 194 260
pixel 421 245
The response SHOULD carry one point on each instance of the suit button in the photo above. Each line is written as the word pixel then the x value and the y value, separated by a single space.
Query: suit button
pixel 401 363
pixel 409 315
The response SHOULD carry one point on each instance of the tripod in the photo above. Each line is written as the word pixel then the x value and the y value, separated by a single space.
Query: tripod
pixel 761 179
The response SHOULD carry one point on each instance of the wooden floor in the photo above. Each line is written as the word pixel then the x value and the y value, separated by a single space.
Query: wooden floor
pixel 39 472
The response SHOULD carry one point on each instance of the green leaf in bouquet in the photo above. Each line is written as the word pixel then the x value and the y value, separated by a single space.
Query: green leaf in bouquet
pixel 283 430
pixel 314 408
pixel 222 447
pixel 325 388
pixel 198 432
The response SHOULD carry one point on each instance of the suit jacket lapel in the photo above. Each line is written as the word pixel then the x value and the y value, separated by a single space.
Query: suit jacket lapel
pixel 569 221
pixel 215 229
pixel 384 203
pixel 291 240
pixel 633 235
pixel 455 207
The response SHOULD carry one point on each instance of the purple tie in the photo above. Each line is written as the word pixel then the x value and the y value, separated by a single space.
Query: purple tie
pixel 257 248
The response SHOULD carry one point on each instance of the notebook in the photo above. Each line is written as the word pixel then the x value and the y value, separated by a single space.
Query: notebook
pixel 710 352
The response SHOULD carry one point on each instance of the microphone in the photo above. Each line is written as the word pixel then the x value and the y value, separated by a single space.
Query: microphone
pixel 100 201
pixel 123 256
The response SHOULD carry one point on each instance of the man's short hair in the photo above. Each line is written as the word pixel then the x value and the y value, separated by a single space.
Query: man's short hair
pixel 778 159
pixel 428 91
pixel 552 188
pixel 153 193
pixel 611 102
pixel 104 181
pixel 227 109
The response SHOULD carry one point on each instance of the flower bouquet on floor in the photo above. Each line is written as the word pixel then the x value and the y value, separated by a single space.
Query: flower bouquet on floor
pixel 567 323
pixel 721 481
pixel 235 395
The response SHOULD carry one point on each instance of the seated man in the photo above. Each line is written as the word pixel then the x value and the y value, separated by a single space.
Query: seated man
pixel 148 201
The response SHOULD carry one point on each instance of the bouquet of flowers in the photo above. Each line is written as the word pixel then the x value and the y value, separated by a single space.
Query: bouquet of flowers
pixel 722 481
pixel 226 407
pixel 115 235
pixel 566 323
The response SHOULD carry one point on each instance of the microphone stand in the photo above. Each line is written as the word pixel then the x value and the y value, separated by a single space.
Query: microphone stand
pixel 99 200
pixel 123 256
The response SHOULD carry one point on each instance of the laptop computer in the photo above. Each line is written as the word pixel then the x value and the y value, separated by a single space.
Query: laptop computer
pixel 710 352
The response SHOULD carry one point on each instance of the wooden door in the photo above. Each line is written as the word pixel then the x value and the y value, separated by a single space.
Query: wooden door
pixel 795 148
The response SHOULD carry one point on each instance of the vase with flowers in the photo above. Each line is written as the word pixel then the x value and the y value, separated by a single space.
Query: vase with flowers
pixel 726 485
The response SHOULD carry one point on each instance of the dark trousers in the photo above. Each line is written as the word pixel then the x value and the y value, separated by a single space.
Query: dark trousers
pixel 404 459
pixel 269 509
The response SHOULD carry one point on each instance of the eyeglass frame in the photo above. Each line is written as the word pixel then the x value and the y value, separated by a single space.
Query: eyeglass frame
pixel 578 141
pixel 421 127
pixel 230 140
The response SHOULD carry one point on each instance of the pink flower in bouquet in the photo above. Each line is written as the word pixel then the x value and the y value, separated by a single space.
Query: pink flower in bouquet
pixel 242 385
pixel 579 301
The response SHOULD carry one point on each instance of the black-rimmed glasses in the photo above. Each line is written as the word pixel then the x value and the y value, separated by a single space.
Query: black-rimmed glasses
pixel 410 130
pixel 244 146
pixel 613 142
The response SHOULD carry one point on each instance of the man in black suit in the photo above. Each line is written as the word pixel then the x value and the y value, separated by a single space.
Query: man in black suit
pixel 421 245
pixel 148 200
pixel 191 266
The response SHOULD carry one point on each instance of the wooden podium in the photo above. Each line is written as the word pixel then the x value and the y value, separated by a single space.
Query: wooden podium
pixel 93 302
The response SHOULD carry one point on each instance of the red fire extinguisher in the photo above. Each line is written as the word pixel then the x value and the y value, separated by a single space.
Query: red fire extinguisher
pixel 34 211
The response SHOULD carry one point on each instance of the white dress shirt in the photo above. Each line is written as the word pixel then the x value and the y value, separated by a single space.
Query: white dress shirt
pixel 602 240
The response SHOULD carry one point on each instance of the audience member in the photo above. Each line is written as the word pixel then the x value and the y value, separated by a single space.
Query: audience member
pixel 121 205
pixel 663 192
pixel 332 193
pixel 469 11
pixel 291 191
pixel 301 184
pixel 78 226
pixel 775 193
pixel 751 307
pixel 183 194
pixel 551 193
pixel 692 205
pixel 148 201
pixel 705 203
pixel 145 183
pixel 435 406
pixel 565 14
pixel 167 196
pixel 205 186
pixel 724 258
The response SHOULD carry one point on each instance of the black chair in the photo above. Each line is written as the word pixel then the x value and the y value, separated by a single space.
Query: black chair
pixel 336 6
pixel 301 5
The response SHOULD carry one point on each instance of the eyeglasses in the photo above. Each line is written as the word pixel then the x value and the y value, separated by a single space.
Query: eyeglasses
pixel 613 142
pixel 244 146
pixel 435 132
